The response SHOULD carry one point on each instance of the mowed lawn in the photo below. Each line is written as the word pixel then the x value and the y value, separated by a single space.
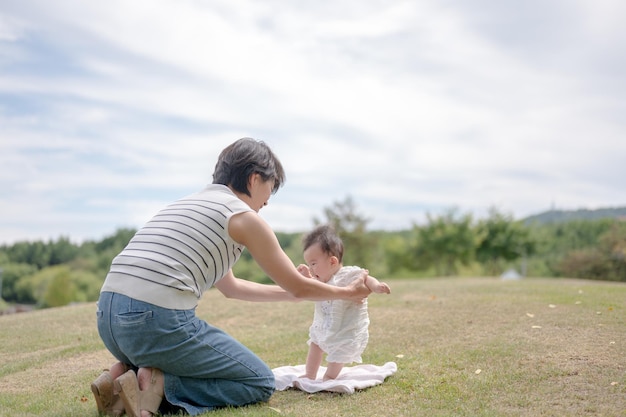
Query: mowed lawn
pixel 463 346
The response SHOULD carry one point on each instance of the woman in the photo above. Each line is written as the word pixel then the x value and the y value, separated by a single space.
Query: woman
pixel 146 311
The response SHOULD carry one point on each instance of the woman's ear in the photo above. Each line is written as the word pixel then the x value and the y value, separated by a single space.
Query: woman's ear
pixel 252 178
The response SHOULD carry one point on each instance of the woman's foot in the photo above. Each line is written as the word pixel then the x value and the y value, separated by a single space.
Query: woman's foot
pixel 141 393
pixel 118 369
pixel 151 384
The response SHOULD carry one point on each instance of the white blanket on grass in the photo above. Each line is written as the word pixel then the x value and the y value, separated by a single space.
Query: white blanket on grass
pixel 350 378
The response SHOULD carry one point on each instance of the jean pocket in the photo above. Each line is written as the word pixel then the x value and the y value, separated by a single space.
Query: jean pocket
pixel 132 319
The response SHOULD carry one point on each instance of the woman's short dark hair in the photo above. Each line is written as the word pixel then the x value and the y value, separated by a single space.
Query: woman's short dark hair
pixel 243 158
pixel 325 236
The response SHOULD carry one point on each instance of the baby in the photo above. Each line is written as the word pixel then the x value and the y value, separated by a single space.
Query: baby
pixel 340 328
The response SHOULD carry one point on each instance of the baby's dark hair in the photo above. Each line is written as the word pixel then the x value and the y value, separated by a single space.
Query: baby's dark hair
pixel 327 238
pixel 243 158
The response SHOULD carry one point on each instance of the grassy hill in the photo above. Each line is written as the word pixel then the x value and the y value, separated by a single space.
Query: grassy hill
pixel 463 346
pixel 561 216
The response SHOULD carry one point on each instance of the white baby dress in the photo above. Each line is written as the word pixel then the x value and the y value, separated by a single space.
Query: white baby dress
pixel 340 327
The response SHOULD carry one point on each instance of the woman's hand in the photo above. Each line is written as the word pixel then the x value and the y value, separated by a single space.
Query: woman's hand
pixel 358 288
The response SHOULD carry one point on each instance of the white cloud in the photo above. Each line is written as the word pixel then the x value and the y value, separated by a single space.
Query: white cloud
pixel 111 109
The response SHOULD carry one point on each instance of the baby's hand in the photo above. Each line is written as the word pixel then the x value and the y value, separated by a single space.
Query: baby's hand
pixel 381 288
pixel 304 270
pixel 377 286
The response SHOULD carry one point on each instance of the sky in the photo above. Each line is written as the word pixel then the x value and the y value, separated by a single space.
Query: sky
pixel 110 110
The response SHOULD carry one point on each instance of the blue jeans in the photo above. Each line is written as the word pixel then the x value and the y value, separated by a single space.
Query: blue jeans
pixel 204 368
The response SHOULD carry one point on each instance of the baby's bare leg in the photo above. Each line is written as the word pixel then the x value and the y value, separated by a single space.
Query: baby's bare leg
pixel 313 361
pixel 333 370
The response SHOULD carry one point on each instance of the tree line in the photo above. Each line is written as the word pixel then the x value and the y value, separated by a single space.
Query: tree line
pixel 59 272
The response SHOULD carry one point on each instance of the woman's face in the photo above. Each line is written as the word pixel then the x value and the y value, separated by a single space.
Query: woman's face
pixel 260 191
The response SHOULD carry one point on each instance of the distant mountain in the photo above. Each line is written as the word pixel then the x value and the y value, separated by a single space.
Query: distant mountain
pixel 560 216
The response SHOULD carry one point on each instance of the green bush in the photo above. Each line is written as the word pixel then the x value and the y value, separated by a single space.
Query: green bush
pixel 57 286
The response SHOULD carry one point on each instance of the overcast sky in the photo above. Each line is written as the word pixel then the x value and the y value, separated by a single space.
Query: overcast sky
pixel 111 109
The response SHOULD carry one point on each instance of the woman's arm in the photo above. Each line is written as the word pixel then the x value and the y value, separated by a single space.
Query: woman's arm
pixel 233 287
pixel 255 234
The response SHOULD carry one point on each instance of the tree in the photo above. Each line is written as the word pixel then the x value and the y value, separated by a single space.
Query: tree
pixel 396 256
pixel 444 243
pixel 31 289
pixel 58 285
pixel 501 240
pixel 108 248
pixel 116 241
pixel 12 273
pixel 584 263
pixel 604 261
pixel 613 245
pixel 60 290
pixel 570 248
pixel 35 253
pixel 62 251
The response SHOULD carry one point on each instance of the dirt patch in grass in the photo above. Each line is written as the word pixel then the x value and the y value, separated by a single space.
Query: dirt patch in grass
pixel 36 379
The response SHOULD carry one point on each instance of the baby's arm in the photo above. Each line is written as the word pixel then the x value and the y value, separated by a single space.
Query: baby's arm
pixel 377 286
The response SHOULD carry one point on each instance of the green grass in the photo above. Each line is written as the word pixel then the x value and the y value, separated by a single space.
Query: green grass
pixel 464 347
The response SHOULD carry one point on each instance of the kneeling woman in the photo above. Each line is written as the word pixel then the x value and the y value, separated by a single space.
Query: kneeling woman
pixel 146 311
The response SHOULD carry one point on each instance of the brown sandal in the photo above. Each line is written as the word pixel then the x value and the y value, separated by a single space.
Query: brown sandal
pixel 128 387
pixel 135 399
pixel 108 403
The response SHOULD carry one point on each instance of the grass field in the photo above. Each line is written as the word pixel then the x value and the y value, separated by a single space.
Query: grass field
pixel 463 346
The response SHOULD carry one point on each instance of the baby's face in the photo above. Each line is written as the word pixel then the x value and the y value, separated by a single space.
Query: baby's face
pixel 322 265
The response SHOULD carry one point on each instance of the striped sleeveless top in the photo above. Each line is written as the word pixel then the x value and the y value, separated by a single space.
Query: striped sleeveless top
pixel 181 252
